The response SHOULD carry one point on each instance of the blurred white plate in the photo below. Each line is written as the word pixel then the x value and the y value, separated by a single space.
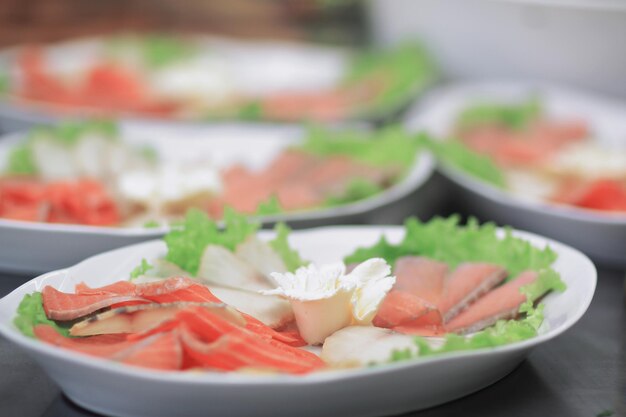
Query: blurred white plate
pixel 119 390
pixel 601 235
pixel 38 247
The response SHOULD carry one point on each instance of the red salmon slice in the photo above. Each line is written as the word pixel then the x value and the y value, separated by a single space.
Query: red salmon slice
pixel 421 277
pixel 146 290
pixel 117 288
pixel 194 293
pixel 403 308
pixel 288 166
pixel 62 306
pixel 161 351
pixel 101 345
pixel 291 338
pixel 296 195
pixel 324 106
pixel 466 284
pixel 501 303
pixel 237 348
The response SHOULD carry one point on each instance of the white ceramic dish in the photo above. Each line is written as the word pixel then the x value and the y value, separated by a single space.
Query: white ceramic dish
pixel 119 390
pixel 39 247
pixel 601 235
pixel 574 41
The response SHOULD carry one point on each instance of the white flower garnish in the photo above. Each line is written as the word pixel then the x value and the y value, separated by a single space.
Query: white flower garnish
pixel 373 281
pixel 325 299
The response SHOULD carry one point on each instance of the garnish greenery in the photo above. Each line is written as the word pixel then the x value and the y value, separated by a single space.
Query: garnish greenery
pixel 20 161
pixel 455 153
pixel 390 146
pixel 156 51
pixel 69 133
pixel 140 269
pixel 186 241
pixel 511 116
pixel 151 224
pixel 159 51
pixel 503 332
pixel 30 313
pixel 396 74
pixel 5 83
pixel 445 240
pixel 357 189
pixel 280 244
pixel 269 207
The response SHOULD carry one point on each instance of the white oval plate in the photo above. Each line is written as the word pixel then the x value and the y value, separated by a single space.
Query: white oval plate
pixel 38 247
pixel 601 235
pixel 119 390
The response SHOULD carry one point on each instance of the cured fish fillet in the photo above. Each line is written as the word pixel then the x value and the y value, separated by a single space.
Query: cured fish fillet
pixel 422 277
pixel 216 343
pixel 402 308
pixel 501 303
pixel 62 306
pixel 466 284
pixel 160 351
pixel 101 345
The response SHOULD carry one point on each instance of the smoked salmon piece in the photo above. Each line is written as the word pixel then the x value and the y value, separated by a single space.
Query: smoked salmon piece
pixel 501 303
pixel 533 145
pixel 215 343
pixel 426 294
pixel 403 308
pixel 101 345
pixel 289 337
pixel 421 277
pixel 62 306
pixel 466 284
pixel 161 351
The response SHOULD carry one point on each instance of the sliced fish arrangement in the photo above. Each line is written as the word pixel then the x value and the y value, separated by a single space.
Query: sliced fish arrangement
pixel 89 174
pixel 202 78
pixel 519 147
pixel 226 300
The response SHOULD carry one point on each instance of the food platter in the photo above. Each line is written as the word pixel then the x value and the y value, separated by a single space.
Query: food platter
pixel 37 247
pixel 600 234
pixel 389 389
pixel 203 78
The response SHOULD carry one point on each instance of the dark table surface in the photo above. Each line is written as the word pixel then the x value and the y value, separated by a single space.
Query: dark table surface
pixel 582 373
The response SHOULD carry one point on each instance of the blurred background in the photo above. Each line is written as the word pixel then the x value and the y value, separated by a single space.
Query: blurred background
pixel 570 41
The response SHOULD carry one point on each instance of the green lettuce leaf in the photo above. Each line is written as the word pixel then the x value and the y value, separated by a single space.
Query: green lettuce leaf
pixel 280 244
pixel 502 333
pixel 455 153
pixel 445 240
pixel 403 71
pixel 512 116
pixel 358 189
pixel 20 161
pixel 391 146
pixel 140 269
pixel 20 158
pixel 70 133
pixel 187 240
pixel 269 207
pixel 30 313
